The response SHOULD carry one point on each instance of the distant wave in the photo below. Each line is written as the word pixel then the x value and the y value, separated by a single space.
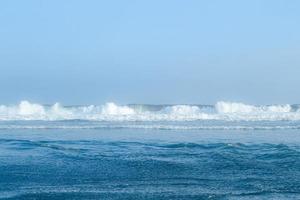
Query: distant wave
pixel 225 111
pixel 151 127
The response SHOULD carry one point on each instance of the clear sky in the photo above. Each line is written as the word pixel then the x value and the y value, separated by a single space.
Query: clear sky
pixel 150 51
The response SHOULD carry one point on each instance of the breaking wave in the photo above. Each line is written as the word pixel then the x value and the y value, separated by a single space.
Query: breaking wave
pixel 226 111
pixel 231 107
pixel 155 127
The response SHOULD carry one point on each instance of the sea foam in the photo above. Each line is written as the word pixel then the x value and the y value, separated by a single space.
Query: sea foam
pixel 226 111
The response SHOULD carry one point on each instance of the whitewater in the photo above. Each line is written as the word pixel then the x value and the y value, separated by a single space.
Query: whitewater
pixel 226 111
pixel 221 116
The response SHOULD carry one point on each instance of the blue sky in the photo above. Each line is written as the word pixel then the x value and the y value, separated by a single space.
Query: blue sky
pixel 171 51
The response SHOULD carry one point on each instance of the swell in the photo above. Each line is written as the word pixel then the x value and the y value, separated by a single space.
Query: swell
pixel 180 170
pixel 263 150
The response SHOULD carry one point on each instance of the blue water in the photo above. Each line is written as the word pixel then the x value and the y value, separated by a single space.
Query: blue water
pixel 149 164
pixel 226 151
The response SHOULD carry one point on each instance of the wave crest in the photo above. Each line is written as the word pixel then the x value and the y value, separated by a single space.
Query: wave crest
pixel 227 111
pixel 112 109
pixel 233 107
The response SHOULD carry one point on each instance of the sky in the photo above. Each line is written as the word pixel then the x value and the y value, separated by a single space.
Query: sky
pixel 150 51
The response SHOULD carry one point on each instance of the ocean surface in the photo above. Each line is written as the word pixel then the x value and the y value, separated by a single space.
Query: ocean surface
pixel 223 151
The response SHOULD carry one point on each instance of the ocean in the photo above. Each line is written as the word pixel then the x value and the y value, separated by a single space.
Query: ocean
pixel 223 151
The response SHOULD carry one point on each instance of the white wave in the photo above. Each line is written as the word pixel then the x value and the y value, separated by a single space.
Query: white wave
pixel 153 126
pixel 227 111
pixel 182 110
pixel 280 108
pixel 27 109
pixel 233 107
pixel 113 109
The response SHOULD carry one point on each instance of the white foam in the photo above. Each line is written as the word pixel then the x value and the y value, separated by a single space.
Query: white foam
pixel 280 108
pixel 227 111
pixel 28 109
pixel 232 107
pixel 153 126
pixel 113 109
pixel 182 110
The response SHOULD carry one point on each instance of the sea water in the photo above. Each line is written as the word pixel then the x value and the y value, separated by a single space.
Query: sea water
pixel 222 151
